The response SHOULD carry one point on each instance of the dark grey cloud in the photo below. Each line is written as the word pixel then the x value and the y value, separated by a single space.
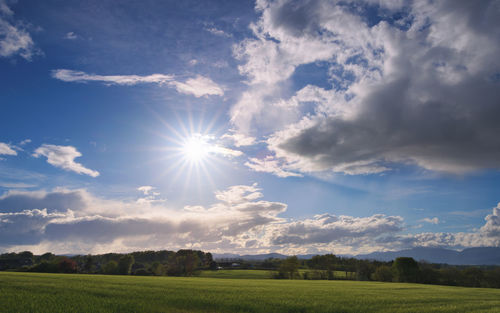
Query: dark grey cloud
pixel 454 131
pixel 26 227
pixel 426 95
pixel 102 230
pixel 53 201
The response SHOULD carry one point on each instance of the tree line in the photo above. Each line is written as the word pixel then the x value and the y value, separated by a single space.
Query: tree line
pixel 180 263
pixel 319 267
pixel 402 269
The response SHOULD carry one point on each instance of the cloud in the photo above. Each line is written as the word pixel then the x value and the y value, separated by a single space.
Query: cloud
pixel 326 228
pixel 25 142
pixel 239 211
pixel 25 227
pixel 419 90
pixel 433 220
pixel 16 185
pixel 150 196
pixel 146 189
pixel 14 37
pixel 239 194
pixel 75 221
pixel 58 200
pixel 198 86
pixel 64 157
pixel 217 32
pixel 70 36
pixel 238 139
pixel 492 226
pixel 82 77
pixel 6 149
pixel 270 164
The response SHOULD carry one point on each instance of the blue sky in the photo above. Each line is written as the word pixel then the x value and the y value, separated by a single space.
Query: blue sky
pixel 249 127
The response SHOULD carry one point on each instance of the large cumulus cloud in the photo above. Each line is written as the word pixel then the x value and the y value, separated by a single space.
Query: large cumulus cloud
pixel 417 85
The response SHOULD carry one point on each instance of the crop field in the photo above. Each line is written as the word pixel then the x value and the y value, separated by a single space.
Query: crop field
pixel 34 292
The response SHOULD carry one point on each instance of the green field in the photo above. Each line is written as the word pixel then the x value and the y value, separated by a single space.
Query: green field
pixel 237 274
pixel 34 292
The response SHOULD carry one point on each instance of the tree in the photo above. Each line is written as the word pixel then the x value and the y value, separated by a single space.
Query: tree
pixel 157 269
pixel 427 274
pixel 364 270
pixel 383 273
pixel 125 264
pixel 191 263
pixel 111 268
pixel 67 265
pixel 289 267
pixel 405 269
pixel 89 264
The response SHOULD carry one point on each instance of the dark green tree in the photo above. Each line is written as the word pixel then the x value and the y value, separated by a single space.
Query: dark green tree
pixel 88 266
pixel 289 268
pixel 111 268
pixel 405 269
pixel 383 273
pixel 125 264
pixel 157 269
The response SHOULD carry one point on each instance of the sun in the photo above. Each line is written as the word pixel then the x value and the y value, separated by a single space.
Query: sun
pixel 195 148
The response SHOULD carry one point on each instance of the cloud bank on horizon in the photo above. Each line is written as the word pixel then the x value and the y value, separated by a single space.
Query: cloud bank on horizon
pixel 76 221
pixel 342 92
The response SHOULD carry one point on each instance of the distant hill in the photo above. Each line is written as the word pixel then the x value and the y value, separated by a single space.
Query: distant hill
pixel 470 256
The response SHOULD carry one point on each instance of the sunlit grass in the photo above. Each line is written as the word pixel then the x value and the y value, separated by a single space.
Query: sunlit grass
pixel 33 292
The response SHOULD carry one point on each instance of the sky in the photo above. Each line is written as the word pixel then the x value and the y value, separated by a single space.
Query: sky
pixel 247 127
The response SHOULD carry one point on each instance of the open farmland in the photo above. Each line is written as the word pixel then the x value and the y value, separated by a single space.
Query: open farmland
pixel 33 292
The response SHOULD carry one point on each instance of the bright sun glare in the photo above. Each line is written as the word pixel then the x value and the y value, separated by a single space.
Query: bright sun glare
pixel 195 148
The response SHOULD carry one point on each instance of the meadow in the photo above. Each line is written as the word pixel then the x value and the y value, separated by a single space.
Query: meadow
pixel 35 292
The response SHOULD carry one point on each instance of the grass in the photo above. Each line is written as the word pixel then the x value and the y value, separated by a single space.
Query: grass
pixel 237 274
pixel 34 292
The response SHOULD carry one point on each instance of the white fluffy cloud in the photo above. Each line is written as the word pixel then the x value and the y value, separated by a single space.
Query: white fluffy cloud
pixel 238 139
pixel 217 32
pixel 418 86
pixel 14 37
pixel 6 149
pixel 76 221
pixel 81 77
pixel 328 228
pixel 433 220
pixel 270 164
pixel 70 36
pixel 64 157
pixel 198 86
